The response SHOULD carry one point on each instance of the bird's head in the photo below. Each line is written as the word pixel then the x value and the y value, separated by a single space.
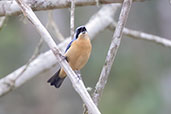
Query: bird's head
pixel 81 32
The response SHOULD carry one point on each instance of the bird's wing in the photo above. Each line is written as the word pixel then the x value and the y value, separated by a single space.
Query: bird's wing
pixel 69 45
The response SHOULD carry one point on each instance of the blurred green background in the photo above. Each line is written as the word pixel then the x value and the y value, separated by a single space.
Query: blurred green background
pixel 140 79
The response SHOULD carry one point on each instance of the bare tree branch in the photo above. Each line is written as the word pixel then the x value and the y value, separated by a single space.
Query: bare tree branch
pixel 143 36
pixel 76 82
pixel 72 18
pixel 112 51
pixel 2 21
pixel 12 8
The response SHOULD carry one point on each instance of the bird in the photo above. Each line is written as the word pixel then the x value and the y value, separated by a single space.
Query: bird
pixel 76 54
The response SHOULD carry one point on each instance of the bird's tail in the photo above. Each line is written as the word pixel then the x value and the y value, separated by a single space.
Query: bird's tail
pixel 55 80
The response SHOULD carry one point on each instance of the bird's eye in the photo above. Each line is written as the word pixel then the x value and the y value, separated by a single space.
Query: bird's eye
pixel 84 29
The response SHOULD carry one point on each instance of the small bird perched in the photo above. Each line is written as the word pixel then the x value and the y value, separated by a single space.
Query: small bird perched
pixel 77 54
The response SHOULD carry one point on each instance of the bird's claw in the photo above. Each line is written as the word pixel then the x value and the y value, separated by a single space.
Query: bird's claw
pixel 64 58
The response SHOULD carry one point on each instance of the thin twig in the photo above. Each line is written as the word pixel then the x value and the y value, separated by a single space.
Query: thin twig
pixel 72 18
pixel 97 3
pixel 12 8
pixel 143 36
pixel 51 24
pixel 112 51
pixel 77 83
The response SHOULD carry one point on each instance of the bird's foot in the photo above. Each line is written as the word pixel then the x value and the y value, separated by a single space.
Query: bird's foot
pixel 64 58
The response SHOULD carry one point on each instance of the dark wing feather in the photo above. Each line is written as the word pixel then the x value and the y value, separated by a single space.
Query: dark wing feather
pixel 69 45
